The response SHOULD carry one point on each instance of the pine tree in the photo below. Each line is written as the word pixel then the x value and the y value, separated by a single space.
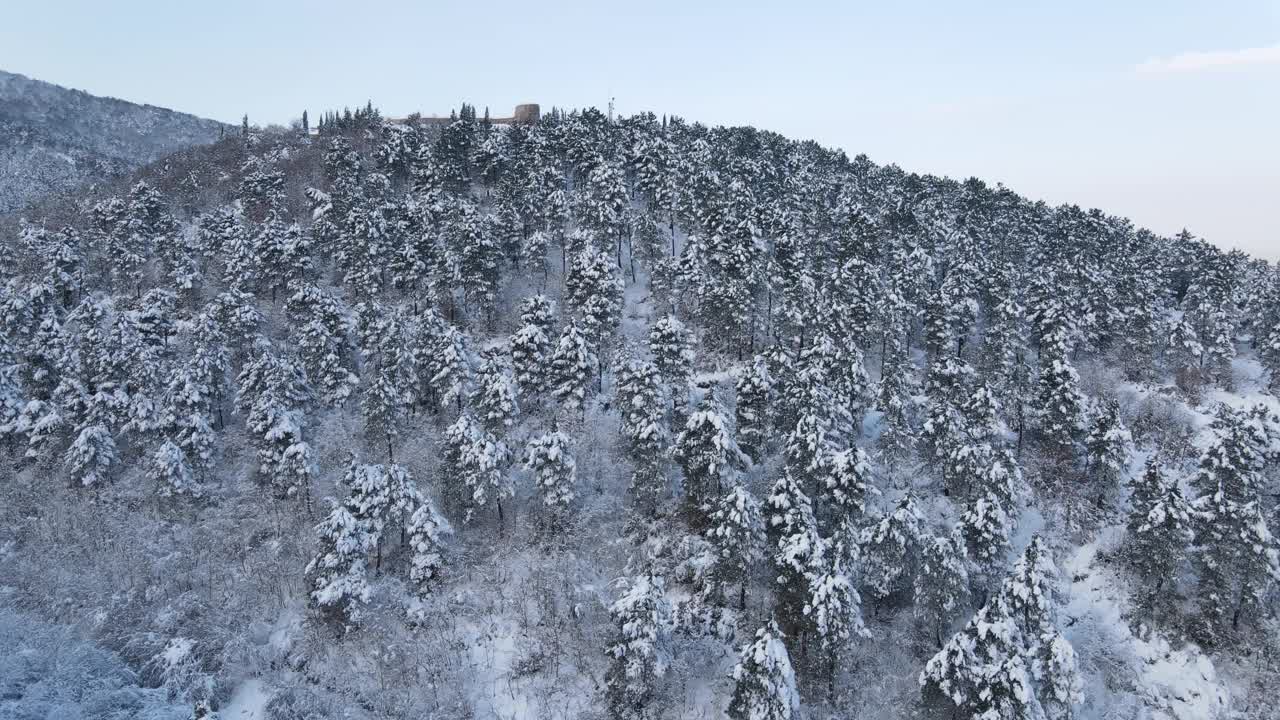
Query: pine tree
pixel 709 456
pixel 640 652
pixel 494 397
pixel 1160 528
pixel 1009 661
pixel 798 550
pixel 754 391
pixel 1061 404
pixel 550 459
pixel 593 292
pixel 890 551
pixel 531 347
pixel 1108 447
pixel 942 585
pixel 475 467
pixel 388 396
pixel 452 365
pixel 90 457
pixel 764 681
pixel 426 532
pixel 844 490
pixel 571 366
pixel 671 345
pixel 322 335
pixel 1237 557
pixel 834 611
pixel 336 576
pixel 381 497
pixel 644 428
pixel 171 472
pixel 737 533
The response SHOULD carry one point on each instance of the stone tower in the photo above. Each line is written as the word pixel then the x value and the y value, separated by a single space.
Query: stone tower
pixel 527 114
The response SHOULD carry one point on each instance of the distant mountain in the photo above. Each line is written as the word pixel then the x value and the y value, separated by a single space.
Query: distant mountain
pixel 53 139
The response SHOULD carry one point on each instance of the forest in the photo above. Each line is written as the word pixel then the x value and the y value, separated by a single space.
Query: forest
pixel 629 418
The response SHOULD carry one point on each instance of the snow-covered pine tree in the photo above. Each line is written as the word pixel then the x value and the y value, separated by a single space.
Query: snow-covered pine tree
pixel 1107 445
pixel 531 347
pixel 644 427
pixel 834 612
pixel 593 292
pixel 493 399
pixel 171 472
pixel 336 577
pixel 844 492
pixel 426 531
pixel 550 458
pixel 89 459
pixel 942 585
pixel 1061 405
pixel 764 680
pixel 474 467
pixel 753 408
pixel 1160 525
pixel 389 393
pixel 381 497
pixel 798 551
pixel 737 533
pixel 1009 661
pixel 452 365
pixel 671 345
pixel 709 456
pixel 322 336
pixel 1236 557
pixel 895 399
pixel 641 649
pixel 572 364
pixel 890 552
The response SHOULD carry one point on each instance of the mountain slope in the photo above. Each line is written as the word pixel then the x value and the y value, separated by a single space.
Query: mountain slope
pixel 53 139
pixel 629 419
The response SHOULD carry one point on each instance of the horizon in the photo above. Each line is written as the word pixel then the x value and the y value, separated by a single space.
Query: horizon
pixel 1165 120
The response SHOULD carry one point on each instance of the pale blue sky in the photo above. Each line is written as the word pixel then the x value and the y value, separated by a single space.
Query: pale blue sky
pixel 1168 112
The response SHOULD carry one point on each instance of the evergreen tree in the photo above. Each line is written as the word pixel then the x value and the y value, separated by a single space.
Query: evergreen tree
pixel 171 472
pixel 642 406
pixel 709 456
pixel 640 652
pixel 494 397
pixel 90 457
pixel 890 551
pixel 1009 661
pixel 1160 528
pixel 754 390
pixel 737 533
pixel 764 681
pixel 322 334
pixel 388 395
pixel 475 464
pixel 531 347
pixel 337 575
pixel 452 365
pixel 1237 558
pixel 555 472
pixel 1108 447
pixel 593 292
pixel 834 610
pixel 942 585
pixel 1061 404
pixel 671 346
pixel 571 366
pixel 426 532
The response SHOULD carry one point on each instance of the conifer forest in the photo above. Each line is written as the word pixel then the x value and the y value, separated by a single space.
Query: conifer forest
pixel 624 417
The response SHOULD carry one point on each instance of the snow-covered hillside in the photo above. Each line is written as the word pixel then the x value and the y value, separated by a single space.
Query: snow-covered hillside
pixel 53 139
pixel 628 418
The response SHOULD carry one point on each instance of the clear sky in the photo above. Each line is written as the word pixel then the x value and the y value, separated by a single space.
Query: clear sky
pixel 1165 111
